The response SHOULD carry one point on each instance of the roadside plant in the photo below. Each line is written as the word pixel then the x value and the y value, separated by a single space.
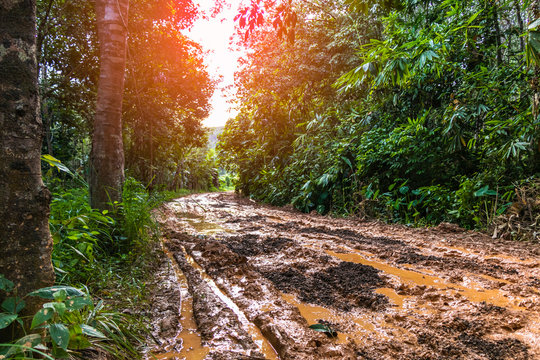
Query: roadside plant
pixel 68 325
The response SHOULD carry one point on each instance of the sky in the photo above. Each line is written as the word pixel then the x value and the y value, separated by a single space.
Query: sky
pixel 214 35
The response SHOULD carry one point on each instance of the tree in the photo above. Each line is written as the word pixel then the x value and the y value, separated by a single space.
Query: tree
pixel 68 73
pixel 167 91
pixel 107 155
pixel 24 200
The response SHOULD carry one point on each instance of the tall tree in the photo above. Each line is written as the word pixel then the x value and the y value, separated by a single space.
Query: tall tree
pixel 107 156
pixel 24 200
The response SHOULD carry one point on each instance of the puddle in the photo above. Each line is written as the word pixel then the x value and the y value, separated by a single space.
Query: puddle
pixel 394 297
pixel 259 340
pixel 494 297
pixel 199 224
pixel 190 339
pixel 350 327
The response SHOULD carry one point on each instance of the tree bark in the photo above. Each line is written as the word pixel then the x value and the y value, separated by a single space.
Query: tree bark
pixel 497 32
pixel 107 155
pixel 517 6
pixel 24 200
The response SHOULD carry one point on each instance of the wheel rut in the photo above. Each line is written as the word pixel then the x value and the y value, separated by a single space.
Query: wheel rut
pixel 259 276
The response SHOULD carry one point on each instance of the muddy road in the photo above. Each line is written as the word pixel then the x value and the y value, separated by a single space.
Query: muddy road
pixel 254 278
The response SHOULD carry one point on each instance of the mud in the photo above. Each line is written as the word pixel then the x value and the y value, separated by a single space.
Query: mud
pixel 260 275
pixel 166 303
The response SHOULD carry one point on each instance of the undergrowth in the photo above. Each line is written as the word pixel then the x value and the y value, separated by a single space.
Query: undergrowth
pixel 103 261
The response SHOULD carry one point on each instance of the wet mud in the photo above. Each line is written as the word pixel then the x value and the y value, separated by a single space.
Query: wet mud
pixel 259 276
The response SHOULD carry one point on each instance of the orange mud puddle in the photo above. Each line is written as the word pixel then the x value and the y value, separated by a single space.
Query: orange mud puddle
pixel 198 223
pixel 357 329
pixel 394 297
pixel 483 256
pixel 490 296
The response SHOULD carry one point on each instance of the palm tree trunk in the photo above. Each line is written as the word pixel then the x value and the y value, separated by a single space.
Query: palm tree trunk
pixel 107 156
pixel 24 200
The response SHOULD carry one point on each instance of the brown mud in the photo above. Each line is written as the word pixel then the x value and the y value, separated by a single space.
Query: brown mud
pixel 254 277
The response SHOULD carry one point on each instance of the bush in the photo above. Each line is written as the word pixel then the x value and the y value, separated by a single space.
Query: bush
pixel 70 324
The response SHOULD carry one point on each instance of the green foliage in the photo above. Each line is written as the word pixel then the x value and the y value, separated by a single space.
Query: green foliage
pixel 82 234
pixel 108 252
pixel 167 85
pixel 424 115
pixel 70 323
pixel 324 328
pixel 78 231
pixel 135 218
pixel 227 181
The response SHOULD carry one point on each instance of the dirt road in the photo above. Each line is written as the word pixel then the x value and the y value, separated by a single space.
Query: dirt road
pixel 254 278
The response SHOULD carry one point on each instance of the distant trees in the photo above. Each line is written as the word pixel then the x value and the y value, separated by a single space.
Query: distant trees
pixel 24 201
pixel 166 89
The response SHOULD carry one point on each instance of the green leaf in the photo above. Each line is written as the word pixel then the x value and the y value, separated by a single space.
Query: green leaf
pixel 60 295
pixel 28 341
pixel 59 335
pixel 77 340
pixel 6 284
pixel 319 327
pixel 347 161
pixel 324 196
pixel 13 304
pixel 54 162
pixel 60 353
pixel 42 316
pixel 306 185
pixel 534 24
pixel 90 331
pixel 325 329
pixel 484 191
pixel 48 292
pixel 60 308
pixel 57 307
pixel 6 319
pixel 78 303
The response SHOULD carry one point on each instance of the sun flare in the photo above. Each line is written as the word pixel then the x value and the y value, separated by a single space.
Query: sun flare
pixel 214 34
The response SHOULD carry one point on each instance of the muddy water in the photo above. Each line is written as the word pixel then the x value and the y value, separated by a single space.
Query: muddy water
pixel 389 291
pixel 471 292
pixel 264 346
pixel 198 223
pixel 189 338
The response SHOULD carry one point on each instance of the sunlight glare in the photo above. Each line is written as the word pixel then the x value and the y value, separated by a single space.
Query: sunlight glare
pixel 214 33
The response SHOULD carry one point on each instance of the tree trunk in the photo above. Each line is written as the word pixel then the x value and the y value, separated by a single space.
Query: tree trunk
pixel 107 156
pixel 24 201
pixel 517 6
pixel 497 32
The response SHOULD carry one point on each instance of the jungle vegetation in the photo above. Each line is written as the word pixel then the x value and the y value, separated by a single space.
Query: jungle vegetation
pixel 104 251
pixel 411 111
